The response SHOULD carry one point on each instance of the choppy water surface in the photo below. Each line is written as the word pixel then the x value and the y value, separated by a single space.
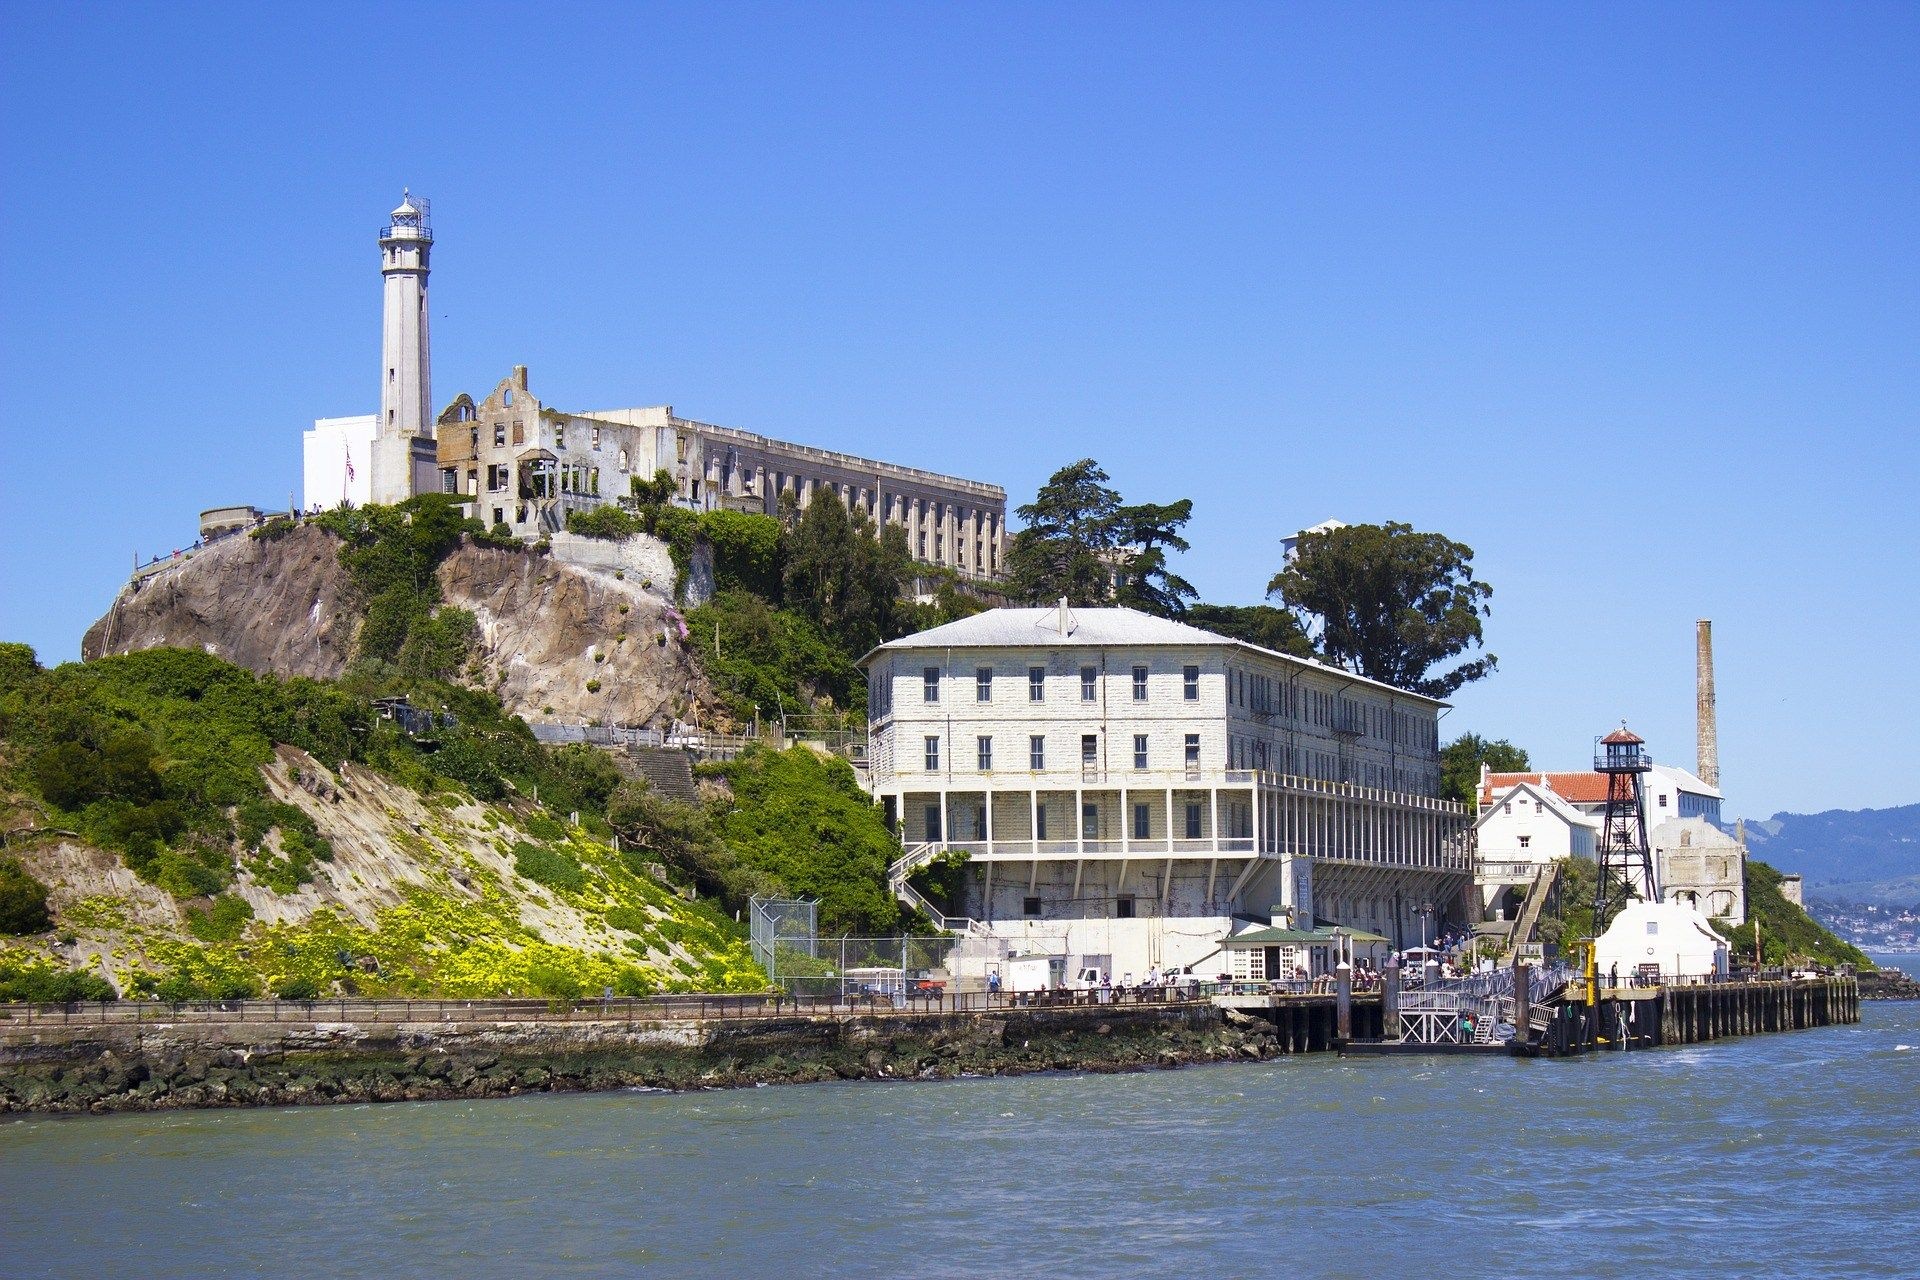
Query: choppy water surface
pixel 1779 1155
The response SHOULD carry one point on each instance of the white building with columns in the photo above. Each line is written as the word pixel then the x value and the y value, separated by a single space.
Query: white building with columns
pixel 1142 788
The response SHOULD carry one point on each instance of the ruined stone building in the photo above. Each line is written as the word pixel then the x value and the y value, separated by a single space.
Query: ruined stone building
pixel 526 466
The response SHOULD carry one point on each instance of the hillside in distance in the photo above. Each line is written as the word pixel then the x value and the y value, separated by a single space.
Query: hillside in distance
pixel 1863 855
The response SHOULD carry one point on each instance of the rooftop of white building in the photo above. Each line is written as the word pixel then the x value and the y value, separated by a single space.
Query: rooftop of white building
pixel 1549 800
pixel 1061 626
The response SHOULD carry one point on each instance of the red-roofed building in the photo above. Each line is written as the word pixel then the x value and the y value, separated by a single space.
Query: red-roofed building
pixel 1579 788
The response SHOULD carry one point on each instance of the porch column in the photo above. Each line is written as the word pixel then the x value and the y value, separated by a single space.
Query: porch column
pixel 1080 821
pixel 1126 823
pixel 1169 819
pixel 1213 800
pixel 1033 821
pixel 987 799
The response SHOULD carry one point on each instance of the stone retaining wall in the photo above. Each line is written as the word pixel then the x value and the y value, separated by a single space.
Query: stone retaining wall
pixel 157 1066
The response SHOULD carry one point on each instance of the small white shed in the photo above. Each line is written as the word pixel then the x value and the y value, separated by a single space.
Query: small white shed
pixel 1671 939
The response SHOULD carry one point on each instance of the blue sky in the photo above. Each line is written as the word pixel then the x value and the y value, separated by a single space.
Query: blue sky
pixel 1624 297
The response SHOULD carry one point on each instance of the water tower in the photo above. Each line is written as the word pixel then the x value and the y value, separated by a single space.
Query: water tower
pixel 1622 757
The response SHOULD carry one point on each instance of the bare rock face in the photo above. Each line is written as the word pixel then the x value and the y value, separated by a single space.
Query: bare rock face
pixel 548 631
pixel 279 605
pixel 557 642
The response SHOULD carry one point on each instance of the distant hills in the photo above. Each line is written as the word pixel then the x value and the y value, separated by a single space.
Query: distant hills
pixel 1845 855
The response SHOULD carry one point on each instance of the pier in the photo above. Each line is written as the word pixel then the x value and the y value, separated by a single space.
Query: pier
pixel 1532 1012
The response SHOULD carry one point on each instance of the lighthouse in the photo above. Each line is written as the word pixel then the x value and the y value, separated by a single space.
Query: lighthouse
pixel 406 392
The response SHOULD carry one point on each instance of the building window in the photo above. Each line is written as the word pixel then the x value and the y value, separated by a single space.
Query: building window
pixel 1193 751
pixel 986 753
pixel 1089 684
pixel 1090 821
pixel 1193 822
pixel 596 437
pixel 1142 822
pixel 449 480
pixel 499 515
pixel 933 753
pixel 1525 841
pixel 1663 799
pixel 1139 750
pixel 983 684
pixel 1190 683
pixel 1139 684
pixel 1040 822
pixel 1036 684
pixel 1037 752
pixel 496 478
pixel 506 397
pixel 1030 905
pixel 1089 750
pixel 499 435
pixel 1123 907
pixel 930 684
pixel 933 822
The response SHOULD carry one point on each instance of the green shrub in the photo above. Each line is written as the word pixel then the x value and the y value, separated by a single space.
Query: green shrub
pixel 23 900
pixel 297 987
pixel 37 981
pixel 222 920
pixel 803 822
pixel 546 866
pixel 629 919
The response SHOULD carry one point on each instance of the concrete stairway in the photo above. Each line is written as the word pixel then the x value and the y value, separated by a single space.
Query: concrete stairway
pixel 668 771
pixel 1530 913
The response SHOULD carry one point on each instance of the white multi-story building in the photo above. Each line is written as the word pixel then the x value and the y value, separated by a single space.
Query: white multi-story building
pixel 1142 788
pixel 1526 827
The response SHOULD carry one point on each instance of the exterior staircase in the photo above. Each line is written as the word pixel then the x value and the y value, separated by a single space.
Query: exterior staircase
pixel 1530 912
pixel 897 880
pixel 667 771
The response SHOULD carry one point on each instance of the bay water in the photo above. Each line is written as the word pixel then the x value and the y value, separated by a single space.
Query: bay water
pixel 1780 1155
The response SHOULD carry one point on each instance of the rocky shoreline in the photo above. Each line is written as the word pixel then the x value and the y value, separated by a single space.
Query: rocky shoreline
pixel 105 1069
pixel 1889 984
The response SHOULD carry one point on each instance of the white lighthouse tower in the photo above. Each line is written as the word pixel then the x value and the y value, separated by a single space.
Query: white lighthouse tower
pixel 401 465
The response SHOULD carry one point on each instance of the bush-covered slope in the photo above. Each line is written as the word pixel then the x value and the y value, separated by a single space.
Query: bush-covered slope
pixel 199 830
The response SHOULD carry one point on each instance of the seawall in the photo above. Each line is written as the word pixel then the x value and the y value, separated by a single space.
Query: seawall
pixel 124 1066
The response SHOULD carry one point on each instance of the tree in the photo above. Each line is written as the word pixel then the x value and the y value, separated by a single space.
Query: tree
pixel 1460 762
pixel 1392 604
pixel 842 576
pixel 1082 542
pixel 1065 547
pixel 1144 533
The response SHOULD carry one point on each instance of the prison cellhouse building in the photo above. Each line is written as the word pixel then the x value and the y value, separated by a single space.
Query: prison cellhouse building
pixel 1137 790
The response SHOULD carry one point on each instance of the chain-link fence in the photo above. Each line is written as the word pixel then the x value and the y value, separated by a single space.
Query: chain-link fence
pixel 902 968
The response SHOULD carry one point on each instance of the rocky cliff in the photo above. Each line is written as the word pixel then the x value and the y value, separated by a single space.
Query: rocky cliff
pixel 548 630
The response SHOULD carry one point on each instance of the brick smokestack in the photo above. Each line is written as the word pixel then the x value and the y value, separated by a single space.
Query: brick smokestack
pixel 1707 729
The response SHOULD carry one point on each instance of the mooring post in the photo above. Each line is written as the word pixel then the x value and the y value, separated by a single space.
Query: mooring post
pixel 1343 1001
pixel 1522 1001
pixel 1390 1000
